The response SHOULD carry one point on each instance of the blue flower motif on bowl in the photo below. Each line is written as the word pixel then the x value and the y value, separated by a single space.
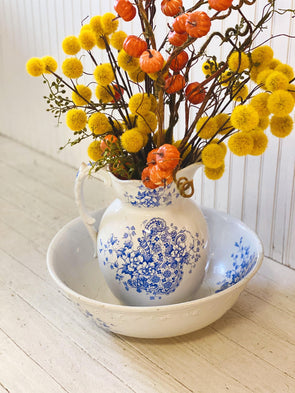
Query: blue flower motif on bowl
pixel 243 262
pixel 153 263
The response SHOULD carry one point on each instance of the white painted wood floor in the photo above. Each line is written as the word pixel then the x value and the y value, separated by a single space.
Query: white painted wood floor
pixel 48 346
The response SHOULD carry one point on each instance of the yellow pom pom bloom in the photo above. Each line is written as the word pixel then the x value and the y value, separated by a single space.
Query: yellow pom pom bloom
pixel 72 68
pixel 206 127
pixel 280 103
pixel 238 61
pixel 140 103
pixel 263 123
pixel 221 144
pixel 93 151
pixel 136 75
pixel 262 55
pixel 50 64
pixel 127 62
pixel 117 39
pixel 35 66
pixel 255 71
pixel 240 143
pixel 71 45
pixel 259 103
pixel 213 155
pixel 223 123
pixel 214 173
pixel 239 92
pixel 286 70
pixel 291 90
pixel 132 140
pixel 99 123
pixel 225 77
pixel 262 76
pixel 281 126
pixel 273 64
pixel 244 118
pixel 143 134
pixel 109 23
pixel 76 119
pixel 276 80
pixel 104 74
pixel 96 24
pixel 87 39
pixel 147 122
pixel 209 67
pixel 154 103
pixel 260 142
pixel 105 93
pixel 83 91
pixel 101 41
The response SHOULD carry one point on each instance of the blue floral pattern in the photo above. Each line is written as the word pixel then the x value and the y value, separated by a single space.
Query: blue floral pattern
pixel 145 197
pixel 153 263
pixel 243 262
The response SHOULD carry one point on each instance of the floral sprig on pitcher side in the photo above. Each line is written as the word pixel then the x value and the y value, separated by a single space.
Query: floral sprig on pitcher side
pixel 129 106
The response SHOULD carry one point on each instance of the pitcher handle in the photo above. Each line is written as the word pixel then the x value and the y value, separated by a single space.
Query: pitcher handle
pixel 87 219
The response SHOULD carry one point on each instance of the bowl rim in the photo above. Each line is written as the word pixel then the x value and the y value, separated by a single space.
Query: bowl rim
pixel 151 309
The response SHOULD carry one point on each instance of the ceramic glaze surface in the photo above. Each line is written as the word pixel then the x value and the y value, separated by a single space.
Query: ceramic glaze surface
pixel 236 254
pixel 152 245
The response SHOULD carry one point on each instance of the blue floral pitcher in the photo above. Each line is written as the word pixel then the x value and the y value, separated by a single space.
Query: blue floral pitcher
pixel 152 244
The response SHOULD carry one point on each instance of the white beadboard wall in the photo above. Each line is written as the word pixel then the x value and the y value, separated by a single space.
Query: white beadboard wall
pixel 258 190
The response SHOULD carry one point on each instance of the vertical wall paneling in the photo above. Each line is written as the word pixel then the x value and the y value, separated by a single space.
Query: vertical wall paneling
pixel 259 190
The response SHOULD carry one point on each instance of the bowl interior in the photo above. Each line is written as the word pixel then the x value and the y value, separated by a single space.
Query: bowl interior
pixel 235 251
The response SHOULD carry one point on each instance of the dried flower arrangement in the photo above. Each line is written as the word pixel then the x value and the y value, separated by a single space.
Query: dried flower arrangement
pixel 131 106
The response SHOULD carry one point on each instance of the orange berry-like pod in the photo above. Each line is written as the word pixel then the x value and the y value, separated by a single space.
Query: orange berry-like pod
pixel 167 157
pixel 159 176
pixel 145 177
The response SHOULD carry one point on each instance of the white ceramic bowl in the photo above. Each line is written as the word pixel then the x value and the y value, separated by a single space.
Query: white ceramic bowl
pixel 235 256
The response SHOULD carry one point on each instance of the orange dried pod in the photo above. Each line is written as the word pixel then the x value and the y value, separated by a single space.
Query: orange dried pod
pixel 179 61
pixel 171 7
pixel 177 39
pixel 197 24
pixel 179 23
pixel 151 157
pixel 194 93
pixel 134 45
pixel 220 5
pixel 151 61
pixel 174 83
pixel 145 177
pixel 160 177
pixel 125 9
pixel 167 157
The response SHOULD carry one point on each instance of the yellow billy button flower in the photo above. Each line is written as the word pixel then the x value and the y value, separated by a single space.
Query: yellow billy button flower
pixel 206 127
pixel 99 123
pixel 83 91
pixel 140 103
pixel 101 41
pixel 50 64
pixel 276 80
pixel 244 118
pixel 96 24
pixel 239 92
pixel 72 68
pixel 132 140
pixel 35 66
pixel 240 143
pixel 213 155
pixel 214 173
pixel 136 75
pixel 76 119
pixel 263 123
pixel 273 64
pixel 280 103
pixel 221 144
pixel 281 126
pixel 286 70
pixel 87 39
pixel 105 93
pixel 260 142
pixel 259 103
pixel 262 55
pixel 104 74
pixel 109 23
pixel 71 45
pixel 94 151
pixel 238 61
pixel 147 122
pixel 262 76
pixel 209 67
pixel 223 123
pixel 154 103
pixel 127 62
pixel 117 39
